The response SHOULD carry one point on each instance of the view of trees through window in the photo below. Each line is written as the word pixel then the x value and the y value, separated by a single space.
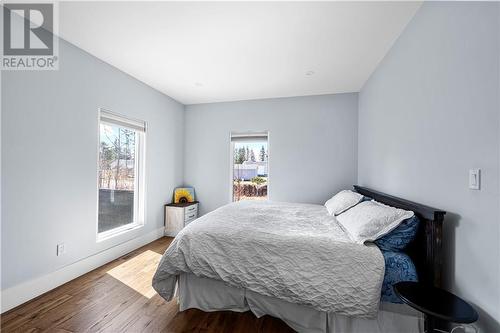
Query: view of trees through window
pixel 117 173
pixel 250 171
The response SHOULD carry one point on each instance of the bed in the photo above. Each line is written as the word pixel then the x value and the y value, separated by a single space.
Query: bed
pixel 295 262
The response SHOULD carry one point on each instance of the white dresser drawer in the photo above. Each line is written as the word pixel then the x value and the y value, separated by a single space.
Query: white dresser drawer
pixel 190 216
pixel 191 209
pixel 189 221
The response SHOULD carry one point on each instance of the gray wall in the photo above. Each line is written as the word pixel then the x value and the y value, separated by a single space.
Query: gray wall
pixel 49 158
pixel 428 114
pixel 312 146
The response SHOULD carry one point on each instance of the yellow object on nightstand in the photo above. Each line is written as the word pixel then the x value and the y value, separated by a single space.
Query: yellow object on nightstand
pixel 183 195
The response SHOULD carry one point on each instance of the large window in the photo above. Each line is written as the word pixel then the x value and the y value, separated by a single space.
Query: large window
pixel 121 174
pixel 249 171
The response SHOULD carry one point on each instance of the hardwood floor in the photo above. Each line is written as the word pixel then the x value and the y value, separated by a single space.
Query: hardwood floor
pixel 118 297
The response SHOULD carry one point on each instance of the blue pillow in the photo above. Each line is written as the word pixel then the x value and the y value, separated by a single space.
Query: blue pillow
pixel 398 267
pixel 399 238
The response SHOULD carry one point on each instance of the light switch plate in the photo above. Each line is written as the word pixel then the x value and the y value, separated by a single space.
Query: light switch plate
pixel 61 249
pixel 474 179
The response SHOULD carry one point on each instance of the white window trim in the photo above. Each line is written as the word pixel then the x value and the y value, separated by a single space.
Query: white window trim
pixel 139 126
pixel 231 158
pixel 118 231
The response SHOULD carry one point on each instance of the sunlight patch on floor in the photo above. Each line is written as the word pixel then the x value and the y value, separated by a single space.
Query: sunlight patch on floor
pixel 137 272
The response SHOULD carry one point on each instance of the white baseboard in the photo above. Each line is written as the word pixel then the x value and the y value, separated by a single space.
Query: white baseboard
pixel 26 291
pixel 171 233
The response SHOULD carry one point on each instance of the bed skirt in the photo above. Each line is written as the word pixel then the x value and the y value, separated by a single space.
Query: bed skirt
pixel 213 295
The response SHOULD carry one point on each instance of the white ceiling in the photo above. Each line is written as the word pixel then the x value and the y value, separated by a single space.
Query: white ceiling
pixel 199 52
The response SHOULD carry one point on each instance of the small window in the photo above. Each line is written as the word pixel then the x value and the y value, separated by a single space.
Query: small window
pixel 121 174
pixel 249 166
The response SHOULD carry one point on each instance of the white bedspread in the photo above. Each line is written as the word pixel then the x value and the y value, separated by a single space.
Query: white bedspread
pixel 294 252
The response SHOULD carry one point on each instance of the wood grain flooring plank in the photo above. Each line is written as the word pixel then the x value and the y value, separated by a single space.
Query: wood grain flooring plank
pixel 118 297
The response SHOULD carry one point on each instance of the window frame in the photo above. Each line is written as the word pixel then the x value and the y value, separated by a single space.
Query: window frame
pixel 139 219
pixel 231 158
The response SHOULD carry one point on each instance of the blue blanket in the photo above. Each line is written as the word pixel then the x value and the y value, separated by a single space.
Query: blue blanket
pixel 398 267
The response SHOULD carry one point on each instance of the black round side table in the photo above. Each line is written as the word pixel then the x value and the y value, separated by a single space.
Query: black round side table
pixel 436 304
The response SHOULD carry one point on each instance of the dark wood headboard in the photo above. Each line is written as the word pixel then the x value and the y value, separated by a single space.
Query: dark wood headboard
pixel 425 250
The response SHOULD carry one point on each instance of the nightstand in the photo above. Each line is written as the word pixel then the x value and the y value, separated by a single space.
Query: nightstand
pixel 436 304
pixel 177 216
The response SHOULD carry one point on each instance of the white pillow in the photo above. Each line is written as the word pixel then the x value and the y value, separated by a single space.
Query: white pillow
pixel 371 220
pixel 342 201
